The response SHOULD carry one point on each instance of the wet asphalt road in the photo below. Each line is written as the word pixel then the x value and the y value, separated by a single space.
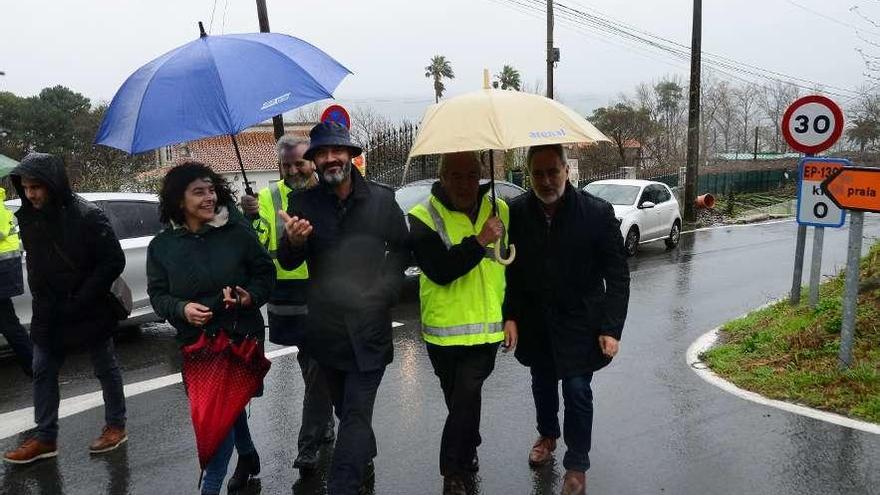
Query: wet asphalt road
pixel 659 429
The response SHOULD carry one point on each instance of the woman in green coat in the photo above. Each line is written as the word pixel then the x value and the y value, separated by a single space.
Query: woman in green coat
pixel 199 268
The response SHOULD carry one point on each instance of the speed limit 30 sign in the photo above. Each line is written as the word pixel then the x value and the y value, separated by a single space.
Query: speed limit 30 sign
pixel 814 207
pixel 812 124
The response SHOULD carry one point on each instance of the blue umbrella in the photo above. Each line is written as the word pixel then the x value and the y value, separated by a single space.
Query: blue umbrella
pixel 217 85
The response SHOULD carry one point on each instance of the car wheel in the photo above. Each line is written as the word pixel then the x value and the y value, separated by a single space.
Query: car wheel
pixel 674 235
pixel 631 243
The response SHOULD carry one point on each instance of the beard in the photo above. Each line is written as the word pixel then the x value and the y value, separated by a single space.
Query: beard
pixel 336 178
pixel 300 181
pixel 550 198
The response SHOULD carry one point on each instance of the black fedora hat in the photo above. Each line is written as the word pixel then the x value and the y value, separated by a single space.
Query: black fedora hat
pixel 330 134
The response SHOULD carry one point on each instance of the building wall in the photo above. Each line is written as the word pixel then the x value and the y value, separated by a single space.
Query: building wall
pixel 257 179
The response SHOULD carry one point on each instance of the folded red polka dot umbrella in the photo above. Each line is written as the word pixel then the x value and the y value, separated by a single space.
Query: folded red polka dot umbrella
pixel 221 377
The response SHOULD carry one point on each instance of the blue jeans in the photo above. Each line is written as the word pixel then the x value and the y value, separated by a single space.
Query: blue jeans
pixel 47 366
pixel 578 415
pixel 239 438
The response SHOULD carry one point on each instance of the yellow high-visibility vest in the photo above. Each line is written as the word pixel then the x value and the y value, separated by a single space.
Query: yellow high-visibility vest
pixel 10 247
pixel 467 311
pixel 269 227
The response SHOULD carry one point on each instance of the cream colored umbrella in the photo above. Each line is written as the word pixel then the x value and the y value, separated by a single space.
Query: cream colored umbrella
pixel 497 119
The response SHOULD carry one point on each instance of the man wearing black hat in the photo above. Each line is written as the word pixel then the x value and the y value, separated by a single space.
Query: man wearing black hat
pixel 353 235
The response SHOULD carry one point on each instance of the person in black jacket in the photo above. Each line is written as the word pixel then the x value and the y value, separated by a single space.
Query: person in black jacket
pixel 353 236
pixel 73 257
pixel 567 296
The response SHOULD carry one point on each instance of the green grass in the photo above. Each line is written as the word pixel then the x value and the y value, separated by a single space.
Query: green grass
pixel 733 206
pixel 790 353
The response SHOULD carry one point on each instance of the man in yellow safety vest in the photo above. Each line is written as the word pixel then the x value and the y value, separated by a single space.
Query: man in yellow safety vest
pixel 461 291
pixel 287 307
pixel 11 285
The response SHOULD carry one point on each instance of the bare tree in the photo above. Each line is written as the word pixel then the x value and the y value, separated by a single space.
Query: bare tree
pixel 746 100
pixel 774 99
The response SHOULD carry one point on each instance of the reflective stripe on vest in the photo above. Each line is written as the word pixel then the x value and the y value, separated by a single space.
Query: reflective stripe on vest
pixel 466 311
pixel 463 329
pixel 10 254
pixel 277 204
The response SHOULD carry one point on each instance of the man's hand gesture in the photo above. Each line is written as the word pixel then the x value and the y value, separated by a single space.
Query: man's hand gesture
pixel 297 229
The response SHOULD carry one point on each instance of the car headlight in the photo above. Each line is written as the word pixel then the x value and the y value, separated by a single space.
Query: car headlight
pixel 412 271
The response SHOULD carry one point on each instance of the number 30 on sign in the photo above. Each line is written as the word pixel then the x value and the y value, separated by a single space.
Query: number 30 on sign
pixel 812 124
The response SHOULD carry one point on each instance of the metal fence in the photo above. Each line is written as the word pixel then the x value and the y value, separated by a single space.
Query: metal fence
pixel 386 153
pixel 744 182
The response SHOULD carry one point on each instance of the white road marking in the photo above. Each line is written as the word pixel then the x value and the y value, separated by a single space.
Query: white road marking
pixel 738 225
pixel 15 422
pixel 706 341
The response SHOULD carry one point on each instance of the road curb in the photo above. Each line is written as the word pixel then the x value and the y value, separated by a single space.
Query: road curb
pixel 708 340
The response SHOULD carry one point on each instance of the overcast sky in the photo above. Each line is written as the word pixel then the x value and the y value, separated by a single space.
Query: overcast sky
pixel 92 46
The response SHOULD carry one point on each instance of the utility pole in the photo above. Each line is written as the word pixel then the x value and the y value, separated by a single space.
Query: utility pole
pixel 263 15
pixel 552 56
pixel 693 146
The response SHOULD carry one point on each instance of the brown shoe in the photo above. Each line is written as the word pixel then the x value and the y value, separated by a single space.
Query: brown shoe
pixel 542 451
pixel 574 483
pixel 30 451
pixel 111 437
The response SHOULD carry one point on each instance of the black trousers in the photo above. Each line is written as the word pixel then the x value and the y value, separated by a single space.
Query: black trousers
pixel 462 371
pixel 353 394
pixel 317 413
pixel 16 335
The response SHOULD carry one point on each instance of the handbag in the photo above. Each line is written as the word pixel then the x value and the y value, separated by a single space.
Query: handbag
pixel 119 297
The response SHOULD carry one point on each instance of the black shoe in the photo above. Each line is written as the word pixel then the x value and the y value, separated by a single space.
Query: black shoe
pixel 248 465
pixel 306 462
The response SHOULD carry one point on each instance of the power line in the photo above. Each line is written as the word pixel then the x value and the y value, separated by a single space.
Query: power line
pixel 680 51
pixel 225 8
pixel 683 50
pixel 213 9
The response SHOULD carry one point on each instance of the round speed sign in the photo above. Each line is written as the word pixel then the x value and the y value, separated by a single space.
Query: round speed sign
pixel 812 124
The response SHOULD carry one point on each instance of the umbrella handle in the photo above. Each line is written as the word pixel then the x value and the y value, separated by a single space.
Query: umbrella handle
pixel 509 259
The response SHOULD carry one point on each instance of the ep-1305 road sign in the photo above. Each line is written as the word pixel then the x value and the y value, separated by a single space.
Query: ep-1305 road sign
pixel 814 207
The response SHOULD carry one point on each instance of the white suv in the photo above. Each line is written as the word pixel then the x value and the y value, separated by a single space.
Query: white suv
pixel 135 220
pixel 647 210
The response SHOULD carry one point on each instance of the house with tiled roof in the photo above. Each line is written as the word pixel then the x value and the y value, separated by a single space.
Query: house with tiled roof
pixel 257 146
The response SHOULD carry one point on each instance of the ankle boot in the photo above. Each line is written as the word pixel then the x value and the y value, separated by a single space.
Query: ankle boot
pixel 248 465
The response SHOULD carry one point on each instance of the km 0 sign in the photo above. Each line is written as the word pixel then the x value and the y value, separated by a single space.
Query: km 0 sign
pixel 855 188
pixel 814 208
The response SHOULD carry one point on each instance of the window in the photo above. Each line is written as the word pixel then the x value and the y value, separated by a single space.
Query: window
pixel 663 194
pixel 648 194
pixel 131 219
pixel 506 191
pixel 615 194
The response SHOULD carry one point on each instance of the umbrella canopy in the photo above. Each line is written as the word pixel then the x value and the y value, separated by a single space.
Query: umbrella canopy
pixel 216 85
pixel 497 119
pixel 220 378
pixel 6 165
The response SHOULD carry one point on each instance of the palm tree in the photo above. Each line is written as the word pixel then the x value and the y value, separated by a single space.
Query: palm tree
pixel 438 69
pixel 509 78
